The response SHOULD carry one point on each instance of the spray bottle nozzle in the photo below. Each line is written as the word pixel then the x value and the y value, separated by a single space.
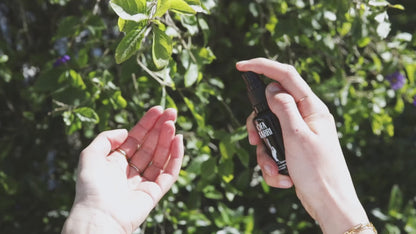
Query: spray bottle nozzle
pixel 256 91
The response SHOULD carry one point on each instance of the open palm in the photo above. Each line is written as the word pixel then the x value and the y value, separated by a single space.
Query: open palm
pixel 122 175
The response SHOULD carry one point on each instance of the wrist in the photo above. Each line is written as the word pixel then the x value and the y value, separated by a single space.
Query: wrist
pixel 367 228
pixel 341 214
pixel 84 220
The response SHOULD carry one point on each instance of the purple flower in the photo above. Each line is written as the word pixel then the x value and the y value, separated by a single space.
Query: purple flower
pixel 414 100
pixel 61 60
pixel 396 79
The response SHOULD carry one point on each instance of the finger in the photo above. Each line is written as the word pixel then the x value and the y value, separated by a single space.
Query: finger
pixel 138 132
pixel 103 144
pixel 173 167
pixel 284 107
pixel 290 79
pixel 283 73
pixel 161 155
pixel 165 180
pixel 270 170
pixel 143 156
pixel 253 136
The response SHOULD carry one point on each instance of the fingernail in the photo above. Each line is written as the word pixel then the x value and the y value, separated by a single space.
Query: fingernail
pixel 269 170
pixel 285 183
pixel 240 63
pixel 273 88
pixel 180 136
pixel 250 140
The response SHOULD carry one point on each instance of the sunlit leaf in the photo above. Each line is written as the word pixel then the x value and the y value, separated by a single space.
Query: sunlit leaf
pixel 129 45
pixel 162 48
pixel 133 10
pixel 191 75
pixel 86 114
pixel 180 6
pixel 397 6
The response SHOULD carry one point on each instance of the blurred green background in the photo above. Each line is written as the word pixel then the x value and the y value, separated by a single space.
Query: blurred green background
pixel 61 85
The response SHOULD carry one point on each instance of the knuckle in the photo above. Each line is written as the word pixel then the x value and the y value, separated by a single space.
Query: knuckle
pixel 290 70
pixel 327 116
pixel 283 101
pixel 324 116
pixel 262 60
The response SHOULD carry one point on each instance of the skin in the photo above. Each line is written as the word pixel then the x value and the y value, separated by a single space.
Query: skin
pixel 315 161
pixel 111 196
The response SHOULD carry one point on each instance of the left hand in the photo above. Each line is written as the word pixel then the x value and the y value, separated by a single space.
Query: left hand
pixel 122 175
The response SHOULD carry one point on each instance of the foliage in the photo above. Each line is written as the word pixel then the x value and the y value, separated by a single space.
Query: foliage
pixel 72 68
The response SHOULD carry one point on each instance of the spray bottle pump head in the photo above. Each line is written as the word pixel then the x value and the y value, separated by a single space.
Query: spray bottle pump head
pixel 256 91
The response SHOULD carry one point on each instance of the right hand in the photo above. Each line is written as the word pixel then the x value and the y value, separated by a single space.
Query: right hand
pixel 314 156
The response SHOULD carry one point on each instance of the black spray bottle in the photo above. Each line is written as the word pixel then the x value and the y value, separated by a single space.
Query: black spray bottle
pixel 266 122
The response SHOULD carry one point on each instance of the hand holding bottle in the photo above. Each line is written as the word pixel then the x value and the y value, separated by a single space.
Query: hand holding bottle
pixel 313 154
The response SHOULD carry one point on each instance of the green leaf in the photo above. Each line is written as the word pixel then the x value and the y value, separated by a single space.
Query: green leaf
pixel 378 3
pixel 162 48
pixel 129 45
pixel 4 58
pixel 95 25
pixel 198 117
pixel 190 23
pixel 86 114
pixel 227 150
pixel 265 187
pixel 243 156
pixel 228 178
pixel 397 6
pixel 72 124
pixel 209 167
pixel 411 71
pixel 226 170
pixel 49 80
pixel 193 2
pixel 211 193
pixel 118 101
pixel 382 123
pixel 180 6
pixel 206 55
pixel 363 42
pixel 239 134
pixel 68 117
pixel 82 60
pixel 130 10
pixel 162 7
pixel 411 224
pixel 191 75
pixel 76 79
pixel 271 25
pixel 205 29
pixel 396 201
pixel 68 27
pixel 345 28
pixel 128 25
pixel 399 107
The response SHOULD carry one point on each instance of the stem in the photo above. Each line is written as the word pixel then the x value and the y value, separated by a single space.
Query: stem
pixel 163 99
pixel 169 21
pixel 153 75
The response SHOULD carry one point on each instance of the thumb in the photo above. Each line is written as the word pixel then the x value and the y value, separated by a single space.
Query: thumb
pixel 283 105
pixel 102 145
